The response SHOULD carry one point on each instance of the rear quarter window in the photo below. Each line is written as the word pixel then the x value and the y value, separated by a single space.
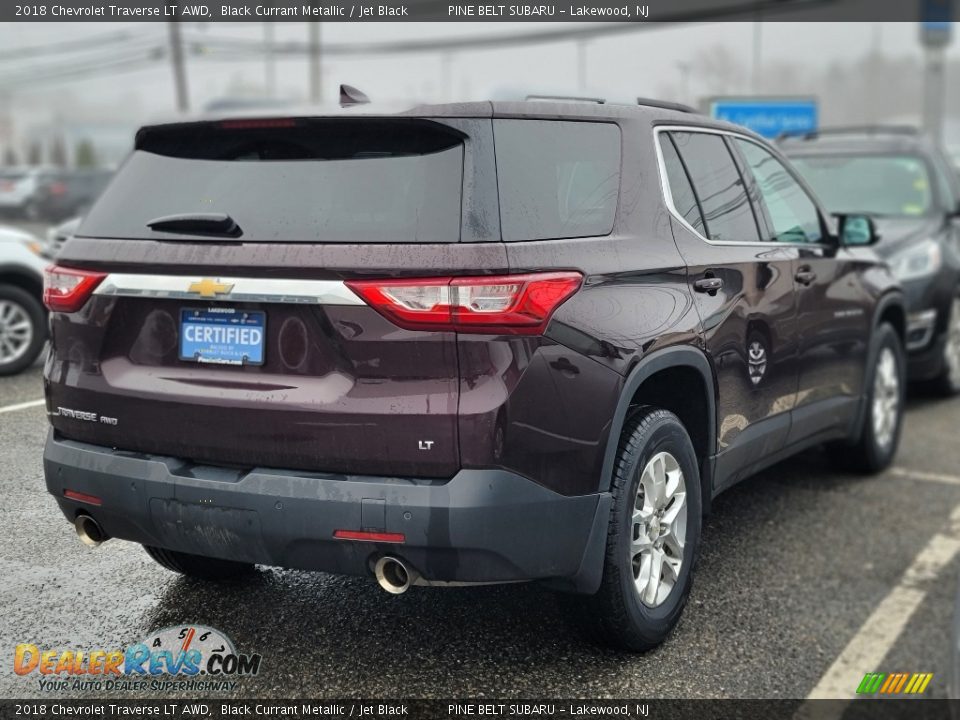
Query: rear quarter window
pixel 557 179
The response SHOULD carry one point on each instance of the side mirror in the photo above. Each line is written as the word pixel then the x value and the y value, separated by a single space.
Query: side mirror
pixel 857 231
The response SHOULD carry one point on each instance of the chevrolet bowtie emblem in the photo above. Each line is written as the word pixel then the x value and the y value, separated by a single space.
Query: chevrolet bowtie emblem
pixel 208 287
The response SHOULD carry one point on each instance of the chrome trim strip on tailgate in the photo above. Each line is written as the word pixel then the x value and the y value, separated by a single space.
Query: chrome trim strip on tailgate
pixel 228 289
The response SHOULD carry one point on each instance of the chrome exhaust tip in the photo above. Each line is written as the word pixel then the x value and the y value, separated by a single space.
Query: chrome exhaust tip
pixel 394 575
pixel 89 531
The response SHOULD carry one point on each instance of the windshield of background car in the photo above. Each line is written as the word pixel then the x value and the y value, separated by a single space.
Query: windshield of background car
pixel 328 181
pixel 882 185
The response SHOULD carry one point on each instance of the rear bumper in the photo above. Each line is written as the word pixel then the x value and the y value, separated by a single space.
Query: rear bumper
pixel 479 526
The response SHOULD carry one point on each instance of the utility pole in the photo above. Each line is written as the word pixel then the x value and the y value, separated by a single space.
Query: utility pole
pixel 316 82
pixel 757 54
pixel 270 65
pixel 934 93
pixel 179 69
pixel 581 65
pixel 446 89
pixel 935 35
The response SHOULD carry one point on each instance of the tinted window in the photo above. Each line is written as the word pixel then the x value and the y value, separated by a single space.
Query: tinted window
pixel 681 192
pixel 326 181
pixel 717 182
pixel 557 179
pixel 891 185
pixel 792 214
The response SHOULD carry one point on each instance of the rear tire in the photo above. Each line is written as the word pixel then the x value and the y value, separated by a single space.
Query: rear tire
pixel 198 566
pixel 653 537
pixel 877 445
pixel 23 329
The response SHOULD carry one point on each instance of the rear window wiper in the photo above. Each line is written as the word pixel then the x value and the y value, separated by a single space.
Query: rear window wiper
pixel 216 224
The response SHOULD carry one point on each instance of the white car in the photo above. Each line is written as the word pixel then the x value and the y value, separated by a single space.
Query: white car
pixel 18 188
pixel 23 319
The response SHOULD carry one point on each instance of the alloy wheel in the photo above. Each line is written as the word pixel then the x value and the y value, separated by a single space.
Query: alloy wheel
pixel 659 529
pixel 886 398
pixel 951 349
pixel 16 331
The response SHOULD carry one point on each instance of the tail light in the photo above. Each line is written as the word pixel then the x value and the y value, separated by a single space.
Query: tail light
pixel 57 188
pixel 503 305
pixel 67 290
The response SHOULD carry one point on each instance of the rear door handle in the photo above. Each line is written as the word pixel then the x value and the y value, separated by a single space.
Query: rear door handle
pixel 708 285
pixel 805 276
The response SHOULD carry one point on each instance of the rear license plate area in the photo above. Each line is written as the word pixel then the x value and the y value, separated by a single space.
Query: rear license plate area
pixel 223 336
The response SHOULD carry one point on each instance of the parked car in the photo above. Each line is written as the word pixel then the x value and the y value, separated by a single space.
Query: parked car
pixel 58 235
pixel 18 187
pixel 467 343
pixel 23 319
pixel 68 193
pixel 906 183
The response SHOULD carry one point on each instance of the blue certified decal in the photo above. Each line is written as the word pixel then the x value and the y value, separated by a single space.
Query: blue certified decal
pixel 223 336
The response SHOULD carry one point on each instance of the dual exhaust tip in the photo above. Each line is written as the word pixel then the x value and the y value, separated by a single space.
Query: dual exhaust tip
pixel 89 531
pixel 394 575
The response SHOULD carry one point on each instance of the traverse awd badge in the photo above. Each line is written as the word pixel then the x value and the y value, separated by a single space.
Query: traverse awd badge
pixel 208 287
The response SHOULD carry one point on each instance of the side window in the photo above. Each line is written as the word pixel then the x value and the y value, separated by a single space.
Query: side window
pixel 681 191
pixel 726 210
pixel 793 215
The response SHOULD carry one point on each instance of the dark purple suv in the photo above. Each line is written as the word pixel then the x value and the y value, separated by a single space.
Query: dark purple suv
pixel 472 343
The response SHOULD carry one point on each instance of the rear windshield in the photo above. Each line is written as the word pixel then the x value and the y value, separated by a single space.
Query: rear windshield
pixel 368 181
pixel 557 179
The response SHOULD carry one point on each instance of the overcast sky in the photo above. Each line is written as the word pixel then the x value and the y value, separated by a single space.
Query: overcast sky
pixel 642 62
pixel 648 62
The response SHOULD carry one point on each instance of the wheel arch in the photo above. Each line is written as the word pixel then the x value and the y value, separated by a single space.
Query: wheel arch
pixel 22 278
pixel 654 381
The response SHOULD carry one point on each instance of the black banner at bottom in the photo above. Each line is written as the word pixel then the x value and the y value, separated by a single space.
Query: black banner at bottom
pixel 863 709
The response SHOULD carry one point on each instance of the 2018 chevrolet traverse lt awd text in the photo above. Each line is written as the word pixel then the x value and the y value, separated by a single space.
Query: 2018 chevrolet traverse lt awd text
pixel 466 343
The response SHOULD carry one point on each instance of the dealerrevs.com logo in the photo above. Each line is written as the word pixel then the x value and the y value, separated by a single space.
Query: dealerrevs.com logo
pixel 185 658
pixel 899 683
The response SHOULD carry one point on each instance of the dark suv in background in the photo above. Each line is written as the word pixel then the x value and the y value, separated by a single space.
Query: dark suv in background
pixel 907 184
pixel 470 343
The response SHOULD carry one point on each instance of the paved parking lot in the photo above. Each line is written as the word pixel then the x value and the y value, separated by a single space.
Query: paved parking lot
pixel 796 564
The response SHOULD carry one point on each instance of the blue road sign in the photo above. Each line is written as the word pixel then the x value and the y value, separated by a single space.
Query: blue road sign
pixel 936 22
pixel 768 116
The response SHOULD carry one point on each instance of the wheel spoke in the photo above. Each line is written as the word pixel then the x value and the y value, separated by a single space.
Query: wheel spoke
pixel 677 504
pixel 655 486
pixel 653 582
pixel 671 567
pixel 674 544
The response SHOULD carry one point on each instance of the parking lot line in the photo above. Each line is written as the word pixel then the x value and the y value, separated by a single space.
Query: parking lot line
pixel 927 476
pixel 21 406
pixel 877 635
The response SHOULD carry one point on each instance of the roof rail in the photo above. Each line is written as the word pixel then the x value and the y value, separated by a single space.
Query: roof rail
pixel 666 105
pixel 567 98
pixel 907 130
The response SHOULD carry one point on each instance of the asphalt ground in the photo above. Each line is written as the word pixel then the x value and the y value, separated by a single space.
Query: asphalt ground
pixel 808 578
pixel 794 562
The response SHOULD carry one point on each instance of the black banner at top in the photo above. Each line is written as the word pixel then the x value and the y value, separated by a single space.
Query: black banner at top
pixel 606 11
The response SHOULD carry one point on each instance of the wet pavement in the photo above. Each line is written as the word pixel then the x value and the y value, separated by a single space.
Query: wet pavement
pixel 793 562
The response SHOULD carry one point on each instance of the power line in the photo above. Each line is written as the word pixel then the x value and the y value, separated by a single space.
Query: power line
pixel 65 47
